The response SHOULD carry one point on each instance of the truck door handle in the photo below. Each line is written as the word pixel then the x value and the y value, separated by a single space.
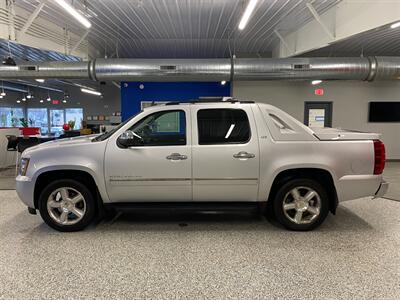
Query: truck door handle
pixel 176 156
pixel 243 154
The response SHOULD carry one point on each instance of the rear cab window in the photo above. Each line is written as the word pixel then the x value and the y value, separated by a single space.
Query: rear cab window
pixel 223 126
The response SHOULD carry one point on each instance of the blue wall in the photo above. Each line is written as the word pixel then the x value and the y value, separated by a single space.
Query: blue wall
pixel 132 95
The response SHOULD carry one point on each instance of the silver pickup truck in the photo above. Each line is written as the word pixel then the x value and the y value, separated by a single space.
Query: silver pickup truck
pixel 209 154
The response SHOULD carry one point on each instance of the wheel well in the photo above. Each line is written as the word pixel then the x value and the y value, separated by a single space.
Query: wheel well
pixel 320 175
pixel 45 178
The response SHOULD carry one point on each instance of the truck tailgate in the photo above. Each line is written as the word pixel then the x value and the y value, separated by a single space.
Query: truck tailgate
pixel 336 134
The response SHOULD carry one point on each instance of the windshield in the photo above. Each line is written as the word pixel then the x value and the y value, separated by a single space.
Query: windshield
pixel 107 134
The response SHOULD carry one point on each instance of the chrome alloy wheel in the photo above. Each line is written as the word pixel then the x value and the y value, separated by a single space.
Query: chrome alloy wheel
pixel 302 205
pixel 66 206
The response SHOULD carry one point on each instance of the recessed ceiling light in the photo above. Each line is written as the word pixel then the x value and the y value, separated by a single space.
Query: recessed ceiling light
pixel 247 13
pixel 315 82
pixel 395 25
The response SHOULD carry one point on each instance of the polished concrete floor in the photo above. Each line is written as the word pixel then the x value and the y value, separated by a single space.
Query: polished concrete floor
pixel 353 255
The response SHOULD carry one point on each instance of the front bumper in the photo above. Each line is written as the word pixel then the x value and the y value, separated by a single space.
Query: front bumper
pixel 25 189
pixel 382 189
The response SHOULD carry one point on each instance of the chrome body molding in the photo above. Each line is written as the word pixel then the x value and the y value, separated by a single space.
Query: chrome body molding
pixel 182 179
pixel 151 179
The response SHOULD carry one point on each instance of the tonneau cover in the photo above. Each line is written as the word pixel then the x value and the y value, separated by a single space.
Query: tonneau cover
pixel 332 134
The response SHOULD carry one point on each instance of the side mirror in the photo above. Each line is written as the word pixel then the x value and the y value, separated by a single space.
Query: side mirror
pixel 129 139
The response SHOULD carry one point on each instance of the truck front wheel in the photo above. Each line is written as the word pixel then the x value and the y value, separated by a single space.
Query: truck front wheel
pixel 67 205
pixel 301 204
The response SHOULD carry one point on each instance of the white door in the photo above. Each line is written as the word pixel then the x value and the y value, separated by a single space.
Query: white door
pixel 157 170
pixel 225 153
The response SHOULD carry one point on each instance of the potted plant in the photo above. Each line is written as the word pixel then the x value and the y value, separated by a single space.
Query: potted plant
pixel 26 130
pixel 71 124
pixel 24 122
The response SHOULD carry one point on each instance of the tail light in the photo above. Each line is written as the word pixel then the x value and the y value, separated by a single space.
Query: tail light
pixel 380 157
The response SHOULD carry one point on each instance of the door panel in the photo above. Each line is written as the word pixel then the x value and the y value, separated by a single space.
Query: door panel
pixel 225 171
pixel 152 173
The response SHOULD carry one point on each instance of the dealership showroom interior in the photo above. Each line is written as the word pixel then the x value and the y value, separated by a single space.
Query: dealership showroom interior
pixel 199 149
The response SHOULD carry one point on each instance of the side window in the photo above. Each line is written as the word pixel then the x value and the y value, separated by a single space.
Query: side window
pixel 164 128
pixel 223 126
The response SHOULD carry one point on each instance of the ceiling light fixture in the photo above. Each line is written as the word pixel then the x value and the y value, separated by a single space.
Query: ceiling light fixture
pixel 40 80
pixel 18 101
pixel 395 25
pixel 93 92
pixel 223 82
pixel 48 96
pixel 315 82
pixel 73 12
pixel 247 13
pixel 24 99
pixel 64 101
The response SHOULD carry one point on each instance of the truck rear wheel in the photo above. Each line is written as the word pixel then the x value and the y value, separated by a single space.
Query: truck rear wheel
pixel 301 204
pixel 67 205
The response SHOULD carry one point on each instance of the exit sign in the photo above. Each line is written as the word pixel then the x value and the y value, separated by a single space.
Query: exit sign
pixel 319 92
pixel 55 102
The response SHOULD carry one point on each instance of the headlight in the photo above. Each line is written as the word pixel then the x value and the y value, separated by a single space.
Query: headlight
pixel 23 166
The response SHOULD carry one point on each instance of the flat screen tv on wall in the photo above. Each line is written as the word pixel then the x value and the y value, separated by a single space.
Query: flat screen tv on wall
pixel 384 112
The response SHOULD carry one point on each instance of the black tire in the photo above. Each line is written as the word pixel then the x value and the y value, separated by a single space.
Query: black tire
pixel 283 191
pixel 90 210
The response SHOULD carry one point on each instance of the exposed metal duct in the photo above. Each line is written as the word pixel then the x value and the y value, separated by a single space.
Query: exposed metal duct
pixel 161 69
pixel 354 68
pixel 46 70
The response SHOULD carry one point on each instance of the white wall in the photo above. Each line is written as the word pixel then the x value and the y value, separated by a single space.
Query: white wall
pixel 350 103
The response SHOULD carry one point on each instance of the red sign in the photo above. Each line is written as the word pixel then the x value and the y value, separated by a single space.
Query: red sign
pixel 55 102
pixel 319 92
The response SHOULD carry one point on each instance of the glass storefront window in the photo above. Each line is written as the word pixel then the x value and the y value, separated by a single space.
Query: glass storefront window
pixel 76 115
pixel 38 118
pixel 10 116
pixel 56 121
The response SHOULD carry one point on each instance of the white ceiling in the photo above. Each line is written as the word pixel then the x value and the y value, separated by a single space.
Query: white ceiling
pixel 181 28
pixel 382 41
